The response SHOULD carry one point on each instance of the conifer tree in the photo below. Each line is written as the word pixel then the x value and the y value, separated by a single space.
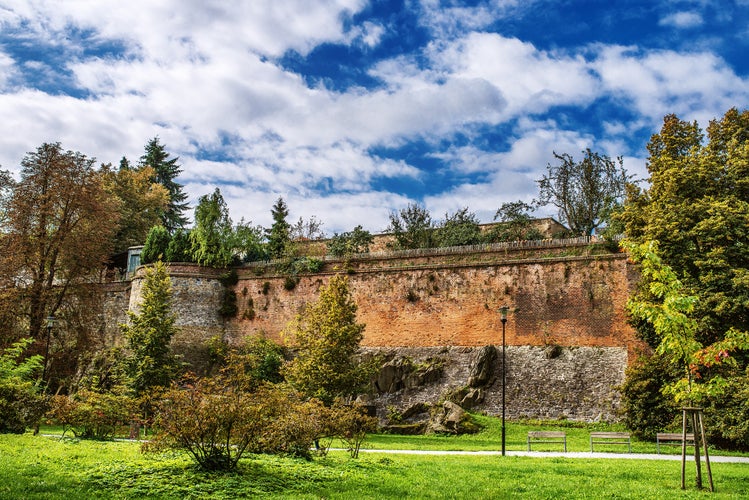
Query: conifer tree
pixel 327 337
pixel 166 171
pixel 149 332
pixel 279 235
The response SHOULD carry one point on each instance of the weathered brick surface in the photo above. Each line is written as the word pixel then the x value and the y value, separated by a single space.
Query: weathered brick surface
pixel 447 306
pixel 573 301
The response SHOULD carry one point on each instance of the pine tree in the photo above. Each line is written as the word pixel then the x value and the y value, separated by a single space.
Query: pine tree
pixel 279 235
pixel 166 171
pixel 149 332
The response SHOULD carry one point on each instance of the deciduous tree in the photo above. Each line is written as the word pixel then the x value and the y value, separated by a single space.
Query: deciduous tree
pixel 412 227
pixel 211 236
pixel 458 229
pixel 141 203
pixel 57 236
pixel 585 191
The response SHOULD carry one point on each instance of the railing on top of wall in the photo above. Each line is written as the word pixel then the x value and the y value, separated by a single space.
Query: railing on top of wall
pixel 485 247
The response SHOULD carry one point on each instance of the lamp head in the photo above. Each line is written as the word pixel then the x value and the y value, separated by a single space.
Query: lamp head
pixel 503 312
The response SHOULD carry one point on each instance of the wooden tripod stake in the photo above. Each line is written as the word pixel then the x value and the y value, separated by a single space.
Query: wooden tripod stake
pixel 694 415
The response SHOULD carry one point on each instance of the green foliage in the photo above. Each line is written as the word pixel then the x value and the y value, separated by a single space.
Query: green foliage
pixel 279 234
pixel 211 236
pixel 327 338
pixel 515 223
pixel 92 415
pixel 179 248
pixel 352 424
pixel 262 358
pixel 458 229
pixel 156 245
pixel 646 411
pixel 412 228
pixel 21 405
pixel 728 414
pixel 664 305
pixel 583 191
pixel 350 243
pixel 149 332
pixel 166 171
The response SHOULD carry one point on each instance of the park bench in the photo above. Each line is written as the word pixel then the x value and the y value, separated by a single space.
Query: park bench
pixel 547 437
pixel 610 438
pixel 671 439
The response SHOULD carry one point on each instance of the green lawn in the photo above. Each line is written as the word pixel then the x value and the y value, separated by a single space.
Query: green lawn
pixel 39 467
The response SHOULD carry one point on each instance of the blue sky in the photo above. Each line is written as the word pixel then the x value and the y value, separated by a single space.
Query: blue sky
pixel 350 109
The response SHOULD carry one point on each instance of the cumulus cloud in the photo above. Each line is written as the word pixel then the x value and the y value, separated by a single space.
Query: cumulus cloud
pixel 209 80
pixel 682 20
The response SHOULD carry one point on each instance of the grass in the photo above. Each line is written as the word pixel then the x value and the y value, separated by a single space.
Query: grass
pixel 38 467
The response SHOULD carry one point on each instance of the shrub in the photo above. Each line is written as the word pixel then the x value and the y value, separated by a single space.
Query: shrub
pixel 214 419
pixel 21 405
pixel 351 424
pixel 156 245
pixel 646 410
pixel 92 415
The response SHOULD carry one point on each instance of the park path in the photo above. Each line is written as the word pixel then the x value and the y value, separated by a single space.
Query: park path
pixel 569 454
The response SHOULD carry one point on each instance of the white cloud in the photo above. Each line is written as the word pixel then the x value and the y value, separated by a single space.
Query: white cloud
pixel 692 85
pixel 682 20
pixel 530 80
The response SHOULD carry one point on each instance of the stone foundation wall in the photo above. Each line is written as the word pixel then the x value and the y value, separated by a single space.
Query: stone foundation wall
pixel 576 383
pixel 568 341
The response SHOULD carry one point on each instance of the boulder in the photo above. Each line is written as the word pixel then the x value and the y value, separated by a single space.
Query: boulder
pixel 482 366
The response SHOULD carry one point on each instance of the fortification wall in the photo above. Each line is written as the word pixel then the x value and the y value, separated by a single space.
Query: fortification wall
pixel 567 336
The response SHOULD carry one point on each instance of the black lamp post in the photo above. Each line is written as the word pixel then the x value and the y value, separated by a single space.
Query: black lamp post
pixel 50 325
pixel 503 317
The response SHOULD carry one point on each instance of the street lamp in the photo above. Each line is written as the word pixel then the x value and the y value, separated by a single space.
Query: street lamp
pixel 503 317
pixel 50 324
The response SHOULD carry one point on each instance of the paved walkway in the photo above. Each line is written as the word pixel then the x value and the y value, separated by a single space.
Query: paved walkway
pixel 569 454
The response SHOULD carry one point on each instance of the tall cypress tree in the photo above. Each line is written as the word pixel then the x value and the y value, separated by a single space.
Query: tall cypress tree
pixel 166 170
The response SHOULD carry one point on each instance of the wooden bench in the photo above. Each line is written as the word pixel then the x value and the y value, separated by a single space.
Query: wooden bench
pixel 547 437
pixel 671 439
pixel 610 438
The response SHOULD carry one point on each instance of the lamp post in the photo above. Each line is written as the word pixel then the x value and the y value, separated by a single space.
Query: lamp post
pixel 50 325
pixel 503 317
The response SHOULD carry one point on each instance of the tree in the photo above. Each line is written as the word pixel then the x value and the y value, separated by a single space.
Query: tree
pixel 327 338
pixel 149 332
pixel 6 188
pixel 583 192
pixel 697 209
pixel 306 230
pixel 211 236
pixel 412 227
pixel 166 171
pixel 57 237
pixel 21 405
pixel 279 234
pixel 156 246
pixel 141 203
pixel 696 214
pixel 349 243
pixel 515 223
pixel 179 248
pixel 458 229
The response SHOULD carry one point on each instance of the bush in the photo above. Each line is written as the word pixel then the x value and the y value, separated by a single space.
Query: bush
pixel 21 405
pixel 156 245
pixel 646 410
pixel 92 415
pixel 727 417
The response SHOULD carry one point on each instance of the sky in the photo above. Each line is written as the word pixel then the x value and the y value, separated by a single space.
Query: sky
pixel 352 109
